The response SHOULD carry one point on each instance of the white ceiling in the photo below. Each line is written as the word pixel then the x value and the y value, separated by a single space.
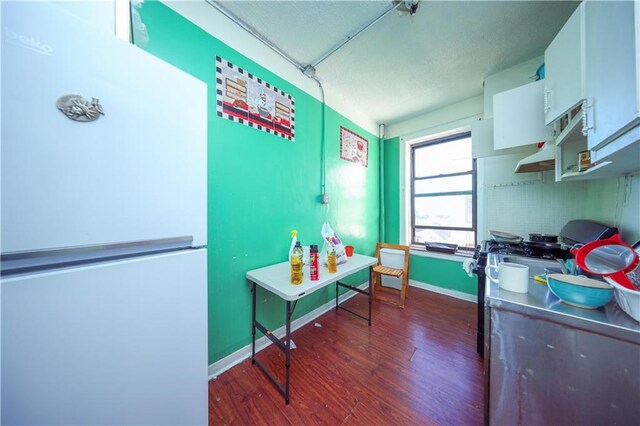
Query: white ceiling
pixel 404 66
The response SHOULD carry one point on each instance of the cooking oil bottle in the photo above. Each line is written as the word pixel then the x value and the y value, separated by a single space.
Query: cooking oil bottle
pixel 296 264
pixel 331 262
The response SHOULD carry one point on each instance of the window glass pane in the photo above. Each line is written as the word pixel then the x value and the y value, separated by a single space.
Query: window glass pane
pixel 443 158
pixel 461 238
pixel 449 210
pixel 447 184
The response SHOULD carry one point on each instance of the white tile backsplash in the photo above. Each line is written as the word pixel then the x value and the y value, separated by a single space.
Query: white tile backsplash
pixel 536 207
pixel 534 202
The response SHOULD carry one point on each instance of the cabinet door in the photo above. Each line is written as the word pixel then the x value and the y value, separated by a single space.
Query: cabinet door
pixel 518 116
pixel 611 72
pixel 482 142
pixel 563 69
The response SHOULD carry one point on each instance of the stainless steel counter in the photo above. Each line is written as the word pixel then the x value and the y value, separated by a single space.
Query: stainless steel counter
pixel 547 362
pixel 609 320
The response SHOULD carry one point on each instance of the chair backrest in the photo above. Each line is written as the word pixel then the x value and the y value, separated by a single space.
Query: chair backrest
pixel 393 249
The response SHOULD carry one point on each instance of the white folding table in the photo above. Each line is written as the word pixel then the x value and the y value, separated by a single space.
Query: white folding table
pixel 277 279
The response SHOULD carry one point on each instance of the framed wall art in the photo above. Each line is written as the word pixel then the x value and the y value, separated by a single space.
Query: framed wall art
pixel 246 99
pixel 353 147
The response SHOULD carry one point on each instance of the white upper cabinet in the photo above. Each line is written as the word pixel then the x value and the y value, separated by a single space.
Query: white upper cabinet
pixel 518 116
pixel 611 71
pixel 564 68
pixel 595 59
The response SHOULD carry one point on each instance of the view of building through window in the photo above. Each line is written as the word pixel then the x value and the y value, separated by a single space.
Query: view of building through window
pixel 443 191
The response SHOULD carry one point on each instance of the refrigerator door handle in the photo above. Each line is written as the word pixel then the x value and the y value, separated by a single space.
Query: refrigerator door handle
pixel 37 260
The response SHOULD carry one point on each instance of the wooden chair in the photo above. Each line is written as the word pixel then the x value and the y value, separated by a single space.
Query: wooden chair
pixel 379 270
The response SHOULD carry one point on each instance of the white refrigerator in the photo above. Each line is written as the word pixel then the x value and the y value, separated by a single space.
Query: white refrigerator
pixel 104 232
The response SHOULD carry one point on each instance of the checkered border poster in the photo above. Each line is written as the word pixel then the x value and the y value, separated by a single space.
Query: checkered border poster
pixel 246 99
pixel 353 147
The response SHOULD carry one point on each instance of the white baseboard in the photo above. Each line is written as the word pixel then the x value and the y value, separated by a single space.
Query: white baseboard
pixel 447 292
pixel 243 353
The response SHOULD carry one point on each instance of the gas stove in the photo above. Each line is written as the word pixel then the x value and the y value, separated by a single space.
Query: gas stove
pixel 528 249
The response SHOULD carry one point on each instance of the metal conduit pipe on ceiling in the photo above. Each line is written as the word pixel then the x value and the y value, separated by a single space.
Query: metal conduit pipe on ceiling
pixel 309 71
pixel 280 52
pixel 253 32
pixel 352 37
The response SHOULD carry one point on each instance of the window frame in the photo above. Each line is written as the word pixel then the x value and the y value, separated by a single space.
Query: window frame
pixel 412 178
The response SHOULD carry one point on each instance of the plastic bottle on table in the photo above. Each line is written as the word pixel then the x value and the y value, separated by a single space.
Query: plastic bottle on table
pixel 331 262
pixel 313 263
pixel 296 264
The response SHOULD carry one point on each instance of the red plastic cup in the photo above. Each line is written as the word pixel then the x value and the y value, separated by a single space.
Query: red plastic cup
pixel 349 250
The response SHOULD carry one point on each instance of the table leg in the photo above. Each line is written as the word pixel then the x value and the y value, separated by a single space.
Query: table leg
pixel 288 353
pixel 284 347
pixel 253 324
pixel 356 289
pixel 337 286
pixel 370 291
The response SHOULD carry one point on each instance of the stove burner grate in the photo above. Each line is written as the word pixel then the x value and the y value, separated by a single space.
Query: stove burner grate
pixel 547 251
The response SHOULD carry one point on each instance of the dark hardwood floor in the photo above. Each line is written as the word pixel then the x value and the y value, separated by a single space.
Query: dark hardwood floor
pixel 416 365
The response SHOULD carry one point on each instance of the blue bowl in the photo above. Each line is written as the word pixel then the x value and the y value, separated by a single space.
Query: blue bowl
pixel 580 291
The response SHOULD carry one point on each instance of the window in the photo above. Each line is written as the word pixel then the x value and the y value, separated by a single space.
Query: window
pixel 443 197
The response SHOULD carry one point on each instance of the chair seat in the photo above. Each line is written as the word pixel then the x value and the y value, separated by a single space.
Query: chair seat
pixel 385 270
pixel 379 270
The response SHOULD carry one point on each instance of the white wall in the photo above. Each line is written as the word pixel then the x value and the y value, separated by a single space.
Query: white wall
pixel 447 118
pixel 112 16
pixel 215 23
pixel 627 207
pixel 100 13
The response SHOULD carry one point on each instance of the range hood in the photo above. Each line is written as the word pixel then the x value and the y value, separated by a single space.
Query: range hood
pixel 544 159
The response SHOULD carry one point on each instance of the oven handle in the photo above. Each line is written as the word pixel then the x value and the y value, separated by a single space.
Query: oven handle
pixel 487 271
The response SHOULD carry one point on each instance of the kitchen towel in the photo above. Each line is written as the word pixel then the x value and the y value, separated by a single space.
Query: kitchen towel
pixel 469 265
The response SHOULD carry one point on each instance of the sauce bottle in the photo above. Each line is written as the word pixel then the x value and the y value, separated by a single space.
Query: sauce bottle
pixel 296 264
pixel 313 262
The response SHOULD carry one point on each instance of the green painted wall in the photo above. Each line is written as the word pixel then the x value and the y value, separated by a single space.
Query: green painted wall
pixel 391 187
pixel 261 186
pixel 442 273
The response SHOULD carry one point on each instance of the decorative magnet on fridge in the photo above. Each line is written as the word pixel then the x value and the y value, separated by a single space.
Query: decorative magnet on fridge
pixel 78 108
